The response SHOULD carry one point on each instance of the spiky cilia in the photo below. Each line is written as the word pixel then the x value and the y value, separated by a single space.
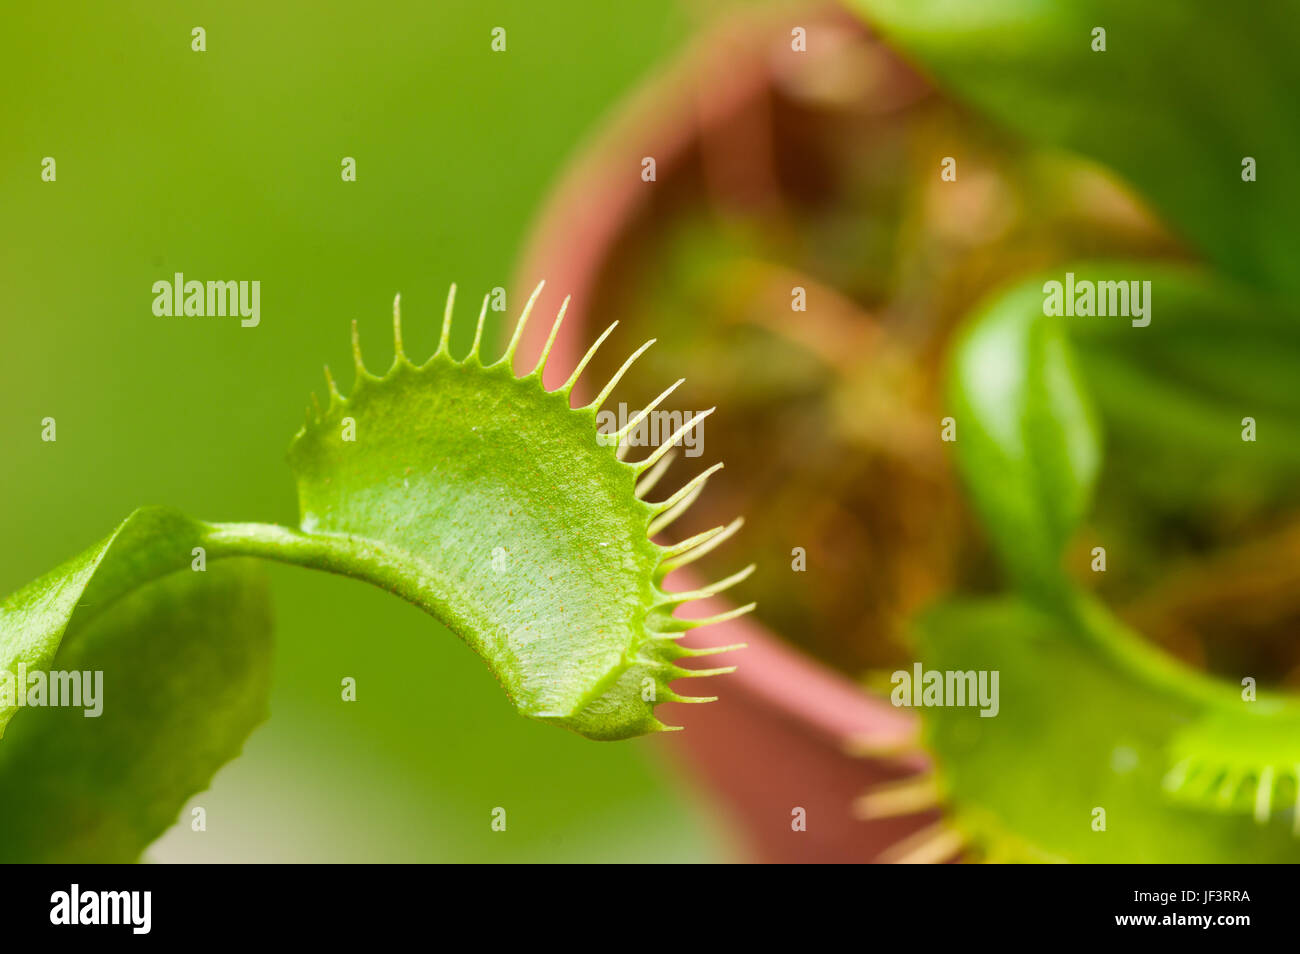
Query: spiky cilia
pixel 518 525
pixel 471 491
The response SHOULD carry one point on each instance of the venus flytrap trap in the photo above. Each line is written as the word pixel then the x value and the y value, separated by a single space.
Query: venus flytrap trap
pixel 1185 766
pixel 419 481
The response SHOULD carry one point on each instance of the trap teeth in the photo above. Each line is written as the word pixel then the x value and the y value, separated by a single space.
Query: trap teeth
pixel 908 796
pixel 933 844
pixel 652 635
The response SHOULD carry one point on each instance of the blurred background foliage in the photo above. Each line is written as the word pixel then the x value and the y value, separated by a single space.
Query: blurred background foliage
pixel 822 173
pixel 828 179
pixel 225 165
pixel 850 207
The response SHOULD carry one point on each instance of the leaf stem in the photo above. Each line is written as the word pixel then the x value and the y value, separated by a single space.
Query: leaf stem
pixel 343 554
pixel 1098 627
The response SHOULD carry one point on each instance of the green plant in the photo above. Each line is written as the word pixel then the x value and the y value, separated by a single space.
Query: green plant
pixel 1187 766
pixel 466 489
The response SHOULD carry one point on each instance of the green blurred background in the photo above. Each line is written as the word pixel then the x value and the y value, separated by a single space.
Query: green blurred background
pixel 225 165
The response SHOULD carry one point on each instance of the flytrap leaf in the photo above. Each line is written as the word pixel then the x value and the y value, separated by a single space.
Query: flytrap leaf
pixel 1074 765
pixel 467 489
pixel 498 508
pixel 1028 454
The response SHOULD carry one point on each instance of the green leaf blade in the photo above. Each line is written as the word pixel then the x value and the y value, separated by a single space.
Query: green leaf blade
pixel 186 668
pixel 1164 105
pixel 1028 443
pixel 1074 733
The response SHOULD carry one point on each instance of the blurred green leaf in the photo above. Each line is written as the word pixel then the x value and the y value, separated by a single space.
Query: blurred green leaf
pixel 186 664
pixel 1183 92
pixel 1022 383
pixel 1028 445
pixel 1214 353
pixel 1074 733
pixel 1183 381
pixel 150 543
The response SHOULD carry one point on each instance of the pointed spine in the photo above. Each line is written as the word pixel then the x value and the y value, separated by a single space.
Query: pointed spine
pixel 444 338
pixel 704 673
pixel 934 843
pixel 908 796
pixel 672 441
pixel 358 363
pixel 713 589
pixel 1295 812
pixel 509 356
pixel 679 626
pixel 550 339
pixel 399 352
pixel 647 483
pixel 478 333
pixel 335 397
pixel 695 652
pixel 1264 795
pixel 691 550
pixel 672 508
pixel 618 376
pixel 688 488
pixel 591 353
pixel 645 412
pixel 675 697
